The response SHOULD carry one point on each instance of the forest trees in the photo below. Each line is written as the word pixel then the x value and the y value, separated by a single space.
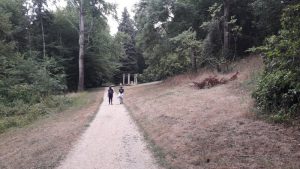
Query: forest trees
pixel 39 55
pixel 39 10
pixel 131 60
pixel 95 9
pixel 162 28
pixel 224 28
pixel 26 79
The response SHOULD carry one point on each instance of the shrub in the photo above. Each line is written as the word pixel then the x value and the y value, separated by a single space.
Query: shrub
pixel 170 65
pixel 27 86
pixel 278 90
pixel 18 113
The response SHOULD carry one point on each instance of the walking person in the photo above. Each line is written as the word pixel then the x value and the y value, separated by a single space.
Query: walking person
pixel 121 94
pixel 110 95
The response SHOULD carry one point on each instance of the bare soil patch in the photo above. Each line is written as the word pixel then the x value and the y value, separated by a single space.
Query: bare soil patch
pixel 212 128
pixel 43 144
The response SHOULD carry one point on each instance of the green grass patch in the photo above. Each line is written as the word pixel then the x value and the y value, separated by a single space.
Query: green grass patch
pixel 19 114
pixel 251 83
pixel 280 118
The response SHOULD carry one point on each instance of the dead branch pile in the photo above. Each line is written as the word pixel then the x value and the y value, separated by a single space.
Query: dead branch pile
pixel 214 81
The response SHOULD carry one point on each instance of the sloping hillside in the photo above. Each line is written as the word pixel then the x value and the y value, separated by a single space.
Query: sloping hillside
pixel 212 128
pixel 47 141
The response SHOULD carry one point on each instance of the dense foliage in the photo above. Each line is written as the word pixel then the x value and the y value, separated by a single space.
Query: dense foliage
pixel 279 87
pixel 39 56
pixel 159 22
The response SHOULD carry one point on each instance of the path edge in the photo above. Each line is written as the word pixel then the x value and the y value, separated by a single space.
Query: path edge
pixel 156 151
pixel 90 120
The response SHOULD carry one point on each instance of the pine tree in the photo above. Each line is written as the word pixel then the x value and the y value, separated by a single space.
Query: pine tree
pixel 127 25
pixel 132 61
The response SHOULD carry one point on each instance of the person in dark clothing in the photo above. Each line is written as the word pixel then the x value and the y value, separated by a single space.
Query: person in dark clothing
pixel 110 95
pixel 121 90
pixel 121 94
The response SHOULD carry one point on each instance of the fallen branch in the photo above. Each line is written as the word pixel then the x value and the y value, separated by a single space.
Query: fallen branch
pixel 214 81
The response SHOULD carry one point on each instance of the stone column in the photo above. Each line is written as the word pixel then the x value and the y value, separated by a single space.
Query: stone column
pixel 136 79
pixel 124 77
pixel 128 78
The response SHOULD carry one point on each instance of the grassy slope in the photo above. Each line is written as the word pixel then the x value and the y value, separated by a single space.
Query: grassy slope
pixel 26 114
pixel 45 142
pixel 211 128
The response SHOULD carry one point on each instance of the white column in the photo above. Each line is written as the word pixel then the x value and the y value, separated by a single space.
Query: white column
pixel 124 77
pixel 135 79
pixel 128 78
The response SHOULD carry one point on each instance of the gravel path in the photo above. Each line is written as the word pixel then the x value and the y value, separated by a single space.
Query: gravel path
pixel 111 142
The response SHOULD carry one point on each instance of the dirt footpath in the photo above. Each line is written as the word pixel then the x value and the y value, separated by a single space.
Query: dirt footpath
pixel 111 142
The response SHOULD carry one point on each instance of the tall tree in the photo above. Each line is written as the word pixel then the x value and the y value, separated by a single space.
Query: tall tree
pixel 127 24
pixel 92 9
pixel 189 46
pixel 132 60
pixel 81 45
pixel 39 10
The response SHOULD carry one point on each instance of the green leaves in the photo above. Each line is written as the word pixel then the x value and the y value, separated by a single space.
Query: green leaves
pixel 215 10
pixel 278 90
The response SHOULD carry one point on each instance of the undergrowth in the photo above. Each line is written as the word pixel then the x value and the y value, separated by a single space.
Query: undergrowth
pixel 19 114
pixel 278 91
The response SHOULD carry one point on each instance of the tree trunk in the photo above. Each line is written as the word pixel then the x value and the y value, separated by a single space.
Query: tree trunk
pixel 43 36
pixel 28 31
pixel 81 48
pixel 235 47
pixel 226 28
pixel 29 42
pixel 193 60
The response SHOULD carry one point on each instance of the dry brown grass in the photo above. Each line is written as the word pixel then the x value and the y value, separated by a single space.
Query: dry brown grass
pixel 245 67
pixel 47 141
pixel 212 128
